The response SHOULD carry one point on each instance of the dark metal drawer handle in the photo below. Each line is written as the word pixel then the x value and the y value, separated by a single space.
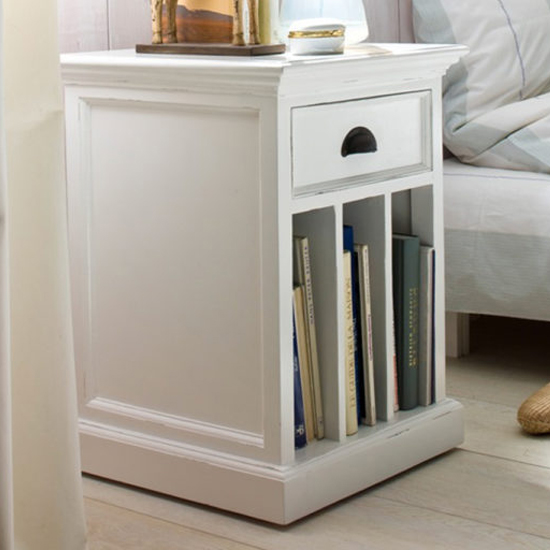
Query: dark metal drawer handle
pixel 359 140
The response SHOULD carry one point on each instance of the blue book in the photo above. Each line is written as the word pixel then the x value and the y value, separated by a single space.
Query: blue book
pixel 349 245
pixel 299 418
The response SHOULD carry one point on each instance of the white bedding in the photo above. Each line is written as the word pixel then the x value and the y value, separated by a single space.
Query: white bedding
pixel 496 99
pixel 497 239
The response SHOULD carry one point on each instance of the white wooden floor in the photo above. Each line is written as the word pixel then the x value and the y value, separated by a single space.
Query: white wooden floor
pixel 492 493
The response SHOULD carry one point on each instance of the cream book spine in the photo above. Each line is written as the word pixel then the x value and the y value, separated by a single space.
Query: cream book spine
pixel 362 251
pixel 303 277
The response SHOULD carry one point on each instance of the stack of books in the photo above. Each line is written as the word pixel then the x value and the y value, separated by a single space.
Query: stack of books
pixel 413 304
pixel 360 394
pixel 413 321
pixel 308 405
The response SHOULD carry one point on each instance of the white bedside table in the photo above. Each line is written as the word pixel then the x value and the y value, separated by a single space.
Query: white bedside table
pixel 187 177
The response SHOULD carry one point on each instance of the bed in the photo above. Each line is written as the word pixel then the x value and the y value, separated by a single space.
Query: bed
pixel 497 196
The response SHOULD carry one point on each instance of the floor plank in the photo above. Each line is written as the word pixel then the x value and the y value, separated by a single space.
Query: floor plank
pixel 494 491
pixel 493 430
pixel 366 521
pixel 509 360
pixel 113 528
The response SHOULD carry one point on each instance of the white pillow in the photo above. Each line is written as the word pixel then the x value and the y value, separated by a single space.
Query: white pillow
pixel 509 62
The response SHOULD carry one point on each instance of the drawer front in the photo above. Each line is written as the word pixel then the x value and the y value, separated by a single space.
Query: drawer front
pixel 361 141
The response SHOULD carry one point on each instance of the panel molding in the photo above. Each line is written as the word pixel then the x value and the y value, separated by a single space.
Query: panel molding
pixel 96 406
pixel 179 423
pixel 233 75
pixel 287 493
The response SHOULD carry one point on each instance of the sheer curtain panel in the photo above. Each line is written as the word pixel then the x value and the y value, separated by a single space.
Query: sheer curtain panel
pixel 40 486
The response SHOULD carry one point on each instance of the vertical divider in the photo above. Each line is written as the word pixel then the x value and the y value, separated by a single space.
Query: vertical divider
pixel 323 229
pixel 422 218
pixel 401 212
pixel 391 373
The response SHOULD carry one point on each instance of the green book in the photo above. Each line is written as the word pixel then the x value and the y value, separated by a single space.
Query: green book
pixel 406 290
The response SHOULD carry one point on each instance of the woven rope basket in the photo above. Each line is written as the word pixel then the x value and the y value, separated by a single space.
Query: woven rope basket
pixel 534 413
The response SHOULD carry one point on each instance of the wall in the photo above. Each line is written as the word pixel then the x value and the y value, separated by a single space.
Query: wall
pixel 88 25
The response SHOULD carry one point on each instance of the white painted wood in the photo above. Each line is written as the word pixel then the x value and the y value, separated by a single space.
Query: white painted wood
pixel 320 225
pixel 424 202
pixel 319 477
pixel 181 217
pixel 153 288
pixel 370 219
pixel 457 334
pixel 399 67
pixel 395 123
pixel 162 302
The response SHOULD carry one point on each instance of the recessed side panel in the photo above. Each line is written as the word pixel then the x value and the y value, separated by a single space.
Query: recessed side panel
pixel 173 298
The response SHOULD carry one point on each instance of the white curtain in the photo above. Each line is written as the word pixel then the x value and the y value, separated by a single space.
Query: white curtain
pixel 41 504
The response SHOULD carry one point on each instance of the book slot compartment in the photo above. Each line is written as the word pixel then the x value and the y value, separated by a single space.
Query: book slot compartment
pixel 364 228
pixel 413 277
pixel 315 289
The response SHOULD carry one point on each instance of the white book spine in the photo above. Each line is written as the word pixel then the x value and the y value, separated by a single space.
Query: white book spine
pixel 312 341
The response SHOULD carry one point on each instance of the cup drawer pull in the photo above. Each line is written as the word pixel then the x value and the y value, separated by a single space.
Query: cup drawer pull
pixel 359 140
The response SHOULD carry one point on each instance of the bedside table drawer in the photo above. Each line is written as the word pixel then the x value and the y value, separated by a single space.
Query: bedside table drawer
pixel 352 142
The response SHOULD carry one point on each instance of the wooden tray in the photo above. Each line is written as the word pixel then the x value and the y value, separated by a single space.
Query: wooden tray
pixel 188 48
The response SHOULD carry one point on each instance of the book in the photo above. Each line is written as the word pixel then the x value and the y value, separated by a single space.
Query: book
pixel 406 281
pixel 426 325
pixel 394 363
pixel 349 350
pixel 365 324
pixel 302 276
pixel 303 360
pixel 358 348
pixel 299 420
